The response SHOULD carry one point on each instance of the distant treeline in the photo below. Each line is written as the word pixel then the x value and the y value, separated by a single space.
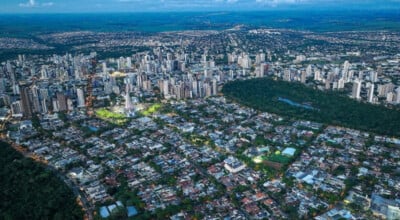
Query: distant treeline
pixel 29 191
pixel 328 107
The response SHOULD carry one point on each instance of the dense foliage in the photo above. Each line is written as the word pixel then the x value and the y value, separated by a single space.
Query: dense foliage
pixel 29 191
pixel 327 107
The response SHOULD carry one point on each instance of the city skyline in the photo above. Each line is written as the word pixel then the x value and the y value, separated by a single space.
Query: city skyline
pixel 201 109
pixel 74 6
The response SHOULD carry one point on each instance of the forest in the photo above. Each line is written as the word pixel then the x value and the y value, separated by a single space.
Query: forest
pixel 29 191
pixel 333 108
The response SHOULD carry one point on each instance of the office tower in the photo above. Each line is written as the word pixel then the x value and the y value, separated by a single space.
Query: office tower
pixel 26 101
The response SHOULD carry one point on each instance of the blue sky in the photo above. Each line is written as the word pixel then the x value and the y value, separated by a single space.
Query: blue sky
pixel 56 6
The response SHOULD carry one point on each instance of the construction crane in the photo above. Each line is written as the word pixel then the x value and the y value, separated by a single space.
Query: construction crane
pixel 89 87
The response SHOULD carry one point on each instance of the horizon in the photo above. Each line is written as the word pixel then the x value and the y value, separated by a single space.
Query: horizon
pixel 208 11
pixel 169 6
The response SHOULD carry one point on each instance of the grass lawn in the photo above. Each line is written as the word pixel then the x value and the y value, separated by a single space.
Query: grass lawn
pixel 152 109
pixel 112 117
pixel 279 158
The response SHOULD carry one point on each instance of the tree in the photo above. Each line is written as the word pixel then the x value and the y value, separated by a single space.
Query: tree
pixel 39 193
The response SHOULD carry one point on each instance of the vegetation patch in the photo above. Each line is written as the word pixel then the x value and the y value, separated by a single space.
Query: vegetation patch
pixel 327 107
pixel 279 158
pixel 29 191
pixel 151 110
pixel 112 117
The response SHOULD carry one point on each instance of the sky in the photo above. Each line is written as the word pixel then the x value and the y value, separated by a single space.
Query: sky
pixel 79 6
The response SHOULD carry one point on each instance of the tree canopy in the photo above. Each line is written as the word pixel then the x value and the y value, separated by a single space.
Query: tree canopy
pixel 29 191
pixel 298 101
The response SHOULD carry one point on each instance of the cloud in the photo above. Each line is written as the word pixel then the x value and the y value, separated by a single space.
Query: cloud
pixel 280 2
pixel 29 4
pixel 34 4
pixel 47 4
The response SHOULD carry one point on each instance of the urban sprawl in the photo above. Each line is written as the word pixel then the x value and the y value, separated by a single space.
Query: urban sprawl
pixel 151 132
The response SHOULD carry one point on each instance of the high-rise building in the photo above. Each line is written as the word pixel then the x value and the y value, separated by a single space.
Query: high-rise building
pixel 104 65
pixel 346 67
pixel 309 71
pixel 128 100
pixel 356 89
pixel 81 98
pixel 373 76
pixel 195 88
pixel 16 109
pixel 128 62
pixel 263 70
pixel 214 87
pixel 43 73
pixel 26 101
pixel 390 97
pixel 303 77
pixel 317 75
pixel 397 101
pixel 371 93
pixel 55 105
pixel 165 87
pixel 287 75
pixel 37 107
pixel 62 102
pixel 340 83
